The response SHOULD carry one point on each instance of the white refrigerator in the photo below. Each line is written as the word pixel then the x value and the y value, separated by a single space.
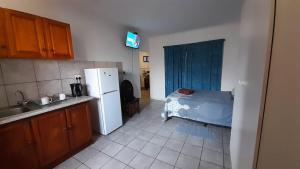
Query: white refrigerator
pixel 103 83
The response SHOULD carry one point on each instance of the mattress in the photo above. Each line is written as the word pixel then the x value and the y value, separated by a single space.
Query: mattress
pixel 214 107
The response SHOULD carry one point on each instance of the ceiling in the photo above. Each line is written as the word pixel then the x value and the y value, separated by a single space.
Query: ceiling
pixel 157 17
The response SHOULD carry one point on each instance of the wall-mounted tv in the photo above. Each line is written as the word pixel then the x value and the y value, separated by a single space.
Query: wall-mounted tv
pixel 133 40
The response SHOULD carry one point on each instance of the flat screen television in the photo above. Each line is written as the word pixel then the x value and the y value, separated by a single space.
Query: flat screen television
pixel 133 40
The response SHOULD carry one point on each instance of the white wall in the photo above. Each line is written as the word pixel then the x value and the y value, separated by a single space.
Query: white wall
pixel 94 37
pixel 230 32
pixel 255 36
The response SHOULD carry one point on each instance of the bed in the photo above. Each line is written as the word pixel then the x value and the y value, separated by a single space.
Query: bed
pixel 213 107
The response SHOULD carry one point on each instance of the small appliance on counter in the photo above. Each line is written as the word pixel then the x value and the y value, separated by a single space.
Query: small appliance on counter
pixel 76 88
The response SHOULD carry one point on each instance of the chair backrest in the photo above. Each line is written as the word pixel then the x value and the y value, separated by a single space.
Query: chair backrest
pixel 127 93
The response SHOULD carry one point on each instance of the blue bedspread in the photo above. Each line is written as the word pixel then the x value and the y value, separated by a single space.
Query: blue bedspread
pixel 212 107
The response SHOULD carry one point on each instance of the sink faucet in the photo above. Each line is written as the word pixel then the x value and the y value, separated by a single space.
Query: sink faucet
pixel 24 101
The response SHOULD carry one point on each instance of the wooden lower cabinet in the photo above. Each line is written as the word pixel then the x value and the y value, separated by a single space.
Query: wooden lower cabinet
pixel 79 125
pixel 17 146
pixel 52 136
pixel 44 141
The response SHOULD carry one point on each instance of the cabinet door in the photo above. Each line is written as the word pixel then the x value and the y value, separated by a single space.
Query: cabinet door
pixel 25 35
pixel 3 37
pixel 59 39
pixel 52 136
pixel 17 146
pixel 79 124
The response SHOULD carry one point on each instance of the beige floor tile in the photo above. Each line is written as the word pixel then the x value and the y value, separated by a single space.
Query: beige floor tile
pixel 191 150
pixel 151 149
pixel 169 156
pixel 187 162
pixel 161 165
pixel 126 155
pixel 114 164
pixel 141 162
pixel 112 149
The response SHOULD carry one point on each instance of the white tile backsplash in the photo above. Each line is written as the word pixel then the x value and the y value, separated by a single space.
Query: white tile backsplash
pixel 46 70
pixel 3 98
pixel 30 91
pixel 68 69
pixel 38 78
pixel 1 77
pixel 17 71
pixel 49 88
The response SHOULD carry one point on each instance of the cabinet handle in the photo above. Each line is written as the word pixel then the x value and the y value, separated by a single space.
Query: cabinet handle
pixel 65 129
pixel 3 46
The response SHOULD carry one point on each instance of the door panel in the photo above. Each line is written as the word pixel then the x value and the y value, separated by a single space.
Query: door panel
pixel 279 145
pixel 79 125
pixel 59 39
pixel 52 136
pixel 17 147
pixel 25 35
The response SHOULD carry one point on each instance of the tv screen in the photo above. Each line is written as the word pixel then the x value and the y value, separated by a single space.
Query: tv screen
pixel 133 40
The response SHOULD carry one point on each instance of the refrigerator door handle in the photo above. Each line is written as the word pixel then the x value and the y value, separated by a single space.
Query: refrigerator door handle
pixel 110 91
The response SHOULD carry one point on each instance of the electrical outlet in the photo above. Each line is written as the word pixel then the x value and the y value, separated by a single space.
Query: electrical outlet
pixel 77 76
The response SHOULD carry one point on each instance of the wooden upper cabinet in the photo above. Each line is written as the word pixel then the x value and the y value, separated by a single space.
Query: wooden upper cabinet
pixel 52 136
pixel 25 35
pixel 59 39
pixel 79 125
pixel 17 146
pixel 3 37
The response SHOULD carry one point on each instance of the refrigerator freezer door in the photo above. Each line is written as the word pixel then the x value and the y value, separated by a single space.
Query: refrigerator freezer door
pixel 109 80
pixel 111 112
pixel 92 82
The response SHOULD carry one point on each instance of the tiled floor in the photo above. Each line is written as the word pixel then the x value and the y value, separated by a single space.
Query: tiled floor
pixel 146 142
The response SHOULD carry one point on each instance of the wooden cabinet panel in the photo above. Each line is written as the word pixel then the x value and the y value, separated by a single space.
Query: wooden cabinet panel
pixel 52 136
pixel 3 37
pixel 59 39
pixel 25 35
pixel 17 146
pixel 79 124
pixel 45 140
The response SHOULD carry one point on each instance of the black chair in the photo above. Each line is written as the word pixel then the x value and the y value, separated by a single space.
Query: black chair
pixel 130 104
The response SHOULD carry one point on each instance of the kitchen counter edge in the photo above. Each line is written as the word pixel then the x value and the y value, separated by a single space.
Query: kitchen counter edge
pixel 67 103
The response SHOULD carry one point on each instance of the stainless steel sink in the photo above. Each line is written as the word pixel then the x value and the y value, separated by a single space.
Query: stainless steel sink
pixel 14 110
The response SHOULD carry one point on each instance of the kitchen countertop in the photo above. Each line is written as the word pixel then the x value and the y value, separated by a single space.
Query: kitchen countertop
pixel 45 109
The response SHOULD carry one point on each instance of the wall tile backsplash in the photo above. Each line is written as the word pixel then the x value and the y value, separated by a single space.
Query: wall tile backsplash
pixel 3 100
pixel 46 70
pixel 39 78
pixel 17 71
